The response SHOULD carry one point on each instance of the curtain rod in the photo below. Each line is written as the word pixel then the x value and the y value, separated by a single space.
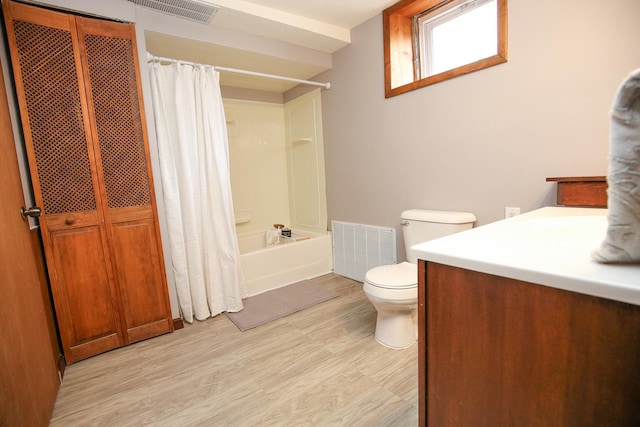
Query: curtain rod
pixel 326 85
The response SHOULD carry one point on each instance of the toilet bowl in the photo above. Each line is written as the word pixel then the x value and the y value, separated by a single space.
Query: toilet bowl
pixel 393 289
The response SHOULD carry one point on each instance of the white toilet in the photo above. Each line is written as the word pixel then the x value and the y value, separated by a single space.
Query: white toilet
pixel 393 289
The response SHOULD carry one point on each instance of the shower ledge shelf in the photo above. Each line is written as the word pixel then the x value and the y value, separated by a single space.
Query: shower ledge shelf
pixel 242 217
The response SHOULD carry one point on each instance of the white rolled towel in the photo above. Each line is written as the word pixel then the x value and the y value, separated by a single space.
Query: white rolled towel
pixel 622 241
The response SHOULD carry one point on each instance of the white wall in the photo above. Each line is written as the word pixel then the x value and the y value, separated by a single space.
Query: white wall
pixel 257 155
pixel 483 141
pixel 277 164
pixel 305 163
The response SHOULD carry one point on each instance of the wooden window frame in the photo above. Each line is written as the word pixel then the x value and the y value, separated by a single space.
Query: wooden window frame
pixel 399 50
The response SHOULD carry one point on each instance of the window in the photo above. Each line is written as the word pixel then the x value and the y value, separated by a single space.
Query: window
pixel 464 33
pixel 428 41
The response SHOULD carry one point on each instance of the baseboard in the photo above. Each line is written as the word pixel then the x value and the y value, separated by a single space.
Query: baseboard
pixel 178 324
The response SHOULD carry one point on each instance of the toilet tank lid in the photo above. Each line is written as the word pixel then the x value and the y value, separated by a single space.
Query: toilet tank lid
pixel 441 217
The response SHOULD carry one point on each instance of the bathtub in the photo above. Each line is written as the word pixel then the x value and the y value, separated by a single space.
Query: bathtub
pixel 271 267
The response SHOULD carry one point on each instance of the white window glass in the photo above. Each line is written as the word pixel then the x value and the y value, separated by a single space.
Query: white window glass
pixel 466 32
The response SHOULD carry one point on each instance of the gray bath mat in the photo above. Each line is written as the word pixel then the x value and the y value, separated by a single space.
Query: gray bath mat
pixel 278 303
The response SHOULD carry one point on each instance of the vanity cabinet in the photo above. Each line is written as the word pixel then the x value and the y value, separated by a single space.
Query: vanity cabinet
pixel 496 351
pixel 77 84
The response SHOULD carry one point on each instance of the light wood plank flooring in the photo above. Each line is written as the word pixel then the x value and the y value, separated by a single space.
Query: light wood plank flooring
pixel 318 367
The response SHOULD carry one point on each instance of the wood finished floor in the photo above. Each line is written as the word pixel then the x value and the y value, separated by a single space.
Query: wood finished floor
pixel 318 367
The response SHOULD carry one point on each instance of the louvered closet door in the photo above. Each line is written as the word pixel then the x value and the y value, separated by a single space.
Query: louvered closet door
pixel 81 105
pixel 54 113
pixel 115 100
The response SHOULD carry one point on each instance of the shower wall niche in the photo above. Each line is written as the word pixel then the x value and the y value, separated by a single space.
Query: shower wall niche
pixel 277 164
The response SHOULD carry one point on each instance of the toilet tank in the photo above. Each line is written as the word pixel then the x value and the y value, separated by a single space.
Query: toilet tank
pixel 420 225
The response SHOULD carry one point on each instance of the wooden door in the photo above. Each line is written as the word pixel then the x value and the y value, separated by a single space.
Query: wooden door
pixel 29 378
pixel 115 107
pixel 81 105
pixel 57 132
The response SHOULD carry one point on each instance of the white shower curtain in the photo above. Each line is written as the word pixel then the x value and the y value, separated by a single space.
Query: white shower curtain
pixel 194 164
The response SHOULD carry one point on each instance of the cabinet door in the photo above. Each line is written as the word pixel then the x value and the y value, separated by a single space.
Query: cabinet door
pixel 116 111
pixel 50 88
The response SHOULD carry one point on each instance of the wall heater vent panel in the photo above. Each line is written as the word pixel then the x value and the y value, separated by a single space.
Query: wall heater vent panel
pixel 191 9
pixel 358 248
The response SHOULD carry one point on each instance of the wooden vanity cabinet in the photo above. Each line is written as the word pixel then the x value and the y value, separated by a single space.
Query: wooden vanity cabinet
pixel 495 351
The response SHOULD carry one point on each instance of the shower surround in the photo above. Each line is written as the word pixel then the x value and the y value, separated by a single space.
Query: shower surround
pixel 277 177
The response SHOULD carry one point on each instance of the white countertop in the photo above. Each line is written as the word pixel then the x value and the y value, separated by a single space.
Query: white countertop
pixel 549 246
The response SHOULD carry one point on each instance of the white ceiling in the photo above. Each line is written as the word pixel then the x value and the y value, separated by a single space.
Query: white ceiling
pixel 343 13
pixel 318 27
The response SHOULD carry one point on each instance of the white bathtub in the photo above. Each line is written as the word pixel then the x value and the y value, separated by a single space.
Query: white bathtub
pixel 271 267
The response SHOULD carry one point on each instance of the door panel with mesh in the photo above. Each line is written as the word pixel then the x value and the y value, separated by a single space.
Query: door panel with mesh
pixel 52 98
pixel 112 81
pixel 113 86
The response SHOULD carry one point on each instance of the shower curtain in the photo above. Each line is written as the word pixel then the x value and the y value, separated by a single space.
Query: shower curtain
pixel 194 165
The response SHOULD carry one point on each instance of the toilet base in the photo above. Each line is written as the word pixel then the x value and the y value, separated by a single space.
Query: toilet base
pixel 397 329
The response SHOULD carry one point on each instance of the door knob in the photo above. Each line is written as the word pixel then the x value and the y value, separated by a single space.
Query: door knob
pixel 33 212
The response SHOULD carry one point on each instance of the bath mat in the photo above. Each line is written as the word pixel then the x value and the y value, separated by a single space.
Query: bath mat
pixel 278 303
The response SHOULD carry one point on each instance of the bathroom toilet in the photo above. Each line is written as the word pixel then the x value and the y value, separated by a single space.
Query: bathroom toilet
pixel 393 289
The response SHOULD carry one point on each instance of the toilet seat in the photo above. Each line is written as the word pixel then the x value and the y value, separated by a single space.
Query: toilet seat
pixel 395 276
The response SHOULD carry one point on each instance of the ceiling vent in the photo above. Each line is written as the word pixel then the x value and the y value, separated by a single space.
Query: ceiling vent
pixel 190 9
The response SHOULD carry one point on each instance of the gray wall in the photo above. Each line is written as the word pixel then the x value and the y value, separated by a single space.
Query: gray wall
pixel 483 141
